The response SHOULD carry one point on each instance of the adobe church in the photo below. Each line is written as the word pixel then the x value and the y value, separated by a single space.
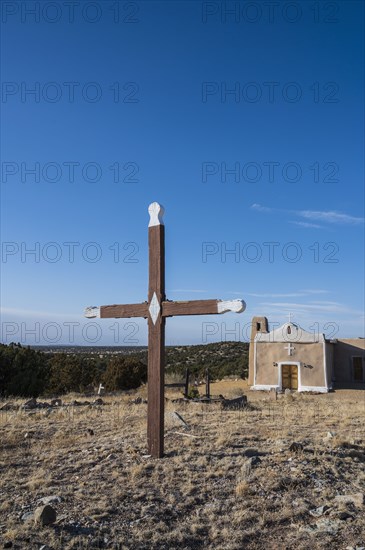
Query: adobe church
pixel 290 357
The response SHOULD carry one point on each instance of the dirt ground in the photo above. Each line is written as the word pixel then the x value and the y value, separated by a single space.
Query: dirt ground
pixel 229 480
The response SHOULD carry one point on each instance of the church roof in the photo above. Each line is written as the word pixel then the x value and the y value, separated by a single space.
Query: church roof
pixel 290 332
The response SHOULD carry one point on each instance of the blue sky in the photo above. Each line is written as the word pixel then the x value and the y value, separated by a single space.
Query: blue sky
pixel 246 126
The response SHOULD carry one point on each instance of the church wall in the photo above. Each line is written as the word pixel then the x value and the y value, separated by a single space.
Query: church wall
pixel 310 354
pixel 313 355
pixel 344 350
pixel 330 363
pixel 250 363
pixel 266 354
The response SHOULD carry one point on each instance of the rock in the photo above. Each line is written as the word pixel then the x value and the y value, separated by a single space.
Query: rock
pixel 355 498
pixel 45 515
pixel 31 404
pixel 139 401
pixel 98 401
pixel 7 407
pixel 52 499
pixel 345 515
pixel 318 512
pixel 136 401
pixel 27 516
pixel 328 526
pixel 90 431
pixel 56 402
pixel 296 447
pixel 288 391
pixel 43 405
pixel 323 525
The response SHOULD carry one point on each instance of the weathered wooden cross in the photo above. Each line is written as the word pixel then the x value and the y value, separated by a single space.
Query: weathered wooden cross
pixel 156 309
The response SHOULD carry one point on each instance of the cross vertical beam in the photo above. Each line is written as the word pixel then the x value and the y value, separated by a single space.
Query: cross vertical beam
pixel 156 333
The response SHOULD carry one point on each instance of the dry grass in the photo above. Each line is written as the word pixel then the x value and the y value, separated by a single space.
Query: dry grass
pixel 202 494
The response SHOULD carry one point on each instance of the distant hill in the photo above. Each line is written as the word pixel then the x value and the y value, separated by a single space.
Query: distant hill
pixel 222 358
pixel 26 371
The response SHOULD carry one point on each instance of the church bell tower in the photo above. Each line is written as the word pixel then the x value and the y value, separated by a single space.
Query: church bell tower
pixel 258 324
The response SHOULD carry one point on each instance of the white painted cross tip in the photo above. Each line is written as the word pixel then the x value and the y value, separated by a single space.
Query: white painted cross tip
pixel 156 211
pixel 91 312
pixel 231 305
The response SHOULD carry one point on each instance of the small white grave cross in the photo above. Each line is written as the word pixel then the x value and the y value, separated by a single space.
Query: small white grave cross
pixel 290 348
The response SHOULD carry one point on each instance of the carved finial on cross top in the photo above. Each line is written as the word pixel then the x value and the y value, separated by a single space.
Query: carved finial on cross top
pixel 156 310
pixel 156 212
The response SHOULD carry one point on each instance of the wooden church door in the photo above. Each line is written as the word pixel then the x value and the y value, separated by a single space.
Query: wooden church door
pixel 289 377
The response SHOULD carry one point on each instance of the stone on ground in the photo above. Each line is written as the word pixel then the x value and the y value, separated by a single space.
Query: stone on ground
pixel 45 515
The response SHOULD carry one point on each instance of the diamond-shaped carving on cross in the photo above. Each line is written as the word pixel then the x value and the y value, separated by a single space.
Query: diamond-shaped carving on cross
pixel 154 308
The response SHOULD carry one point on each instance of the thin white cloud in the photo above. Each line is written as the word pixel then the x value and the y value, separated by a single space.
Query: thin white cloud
pixel 268 295
pixel 326 302
pixel 261 208
pixel 308 225
pixel 299 293
pixel 327 216
pixel 330 216
pixel 314 291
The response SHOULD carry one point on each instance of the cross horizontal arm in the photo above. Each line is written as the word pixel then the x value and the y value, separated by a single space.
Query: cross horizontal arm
pixel 116 311
pixel 201 307
pixel 169 309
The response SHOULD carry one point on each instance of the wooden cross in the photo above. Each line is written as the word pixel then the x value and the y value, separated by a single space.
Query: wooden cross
pixel 156 309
